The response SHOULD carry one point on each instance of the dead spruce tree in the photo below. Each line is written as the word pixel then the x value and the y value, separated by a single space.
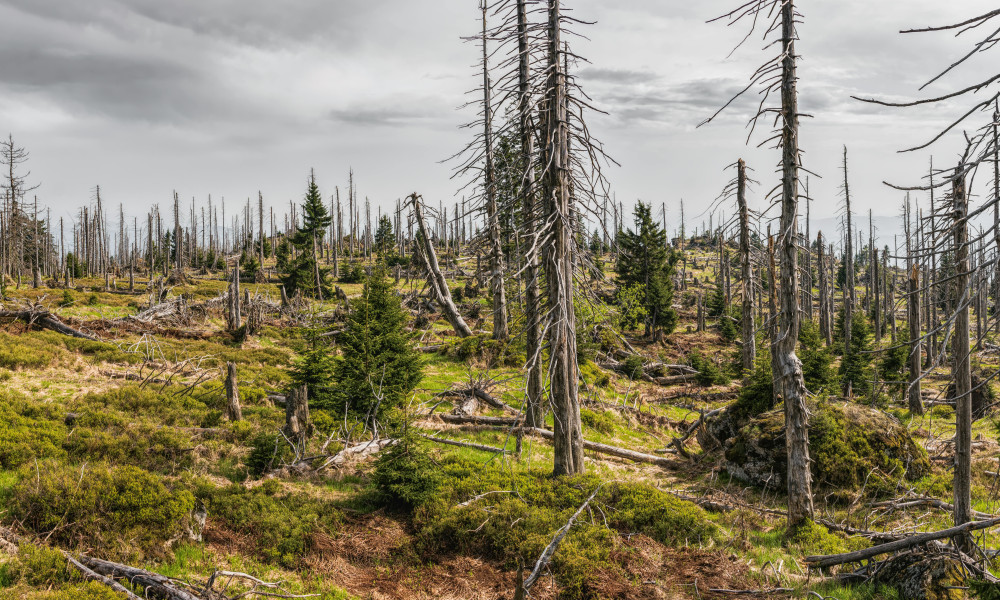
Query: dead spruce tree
pixel 980 147
pixel 778 75
pixel 480 161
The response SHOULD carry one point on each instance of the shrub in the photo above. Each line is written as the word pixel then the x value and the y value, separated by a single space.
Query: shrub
pixel 27 432
pixel 279 528
pixel 93 300
pixel 68 299
pixel 100 507
pixel 404 475
pixel 518 526
pixel 816 358
pixel 632 367
pixel 709 373
pixel 602 422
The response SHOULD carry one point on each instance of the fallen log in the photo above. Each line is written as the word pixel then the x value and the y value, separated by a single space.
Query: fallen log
pixel 357 452
pixel 91 575
pixel 612 450
pixel 480 420
pixel 472 445
pixel 45 320
pixel 830 560
pixel 480 395
pixel 154 584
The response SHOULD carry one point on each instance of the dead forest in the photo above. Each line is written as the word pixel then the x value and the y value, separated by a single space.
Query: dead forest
pixel 524 390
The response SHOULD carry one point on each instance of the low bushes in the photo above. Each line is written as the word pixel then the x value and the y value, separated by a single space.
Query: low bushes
pixel 124 510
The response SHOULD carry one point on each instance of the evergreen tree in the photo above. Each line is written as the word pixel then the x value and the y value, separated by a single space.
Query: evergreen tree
pixel 304 273
pixel 815 356
pixel 856 365
pixel 385 239
pixel 378 366
pixel 645 260
pixel 315 369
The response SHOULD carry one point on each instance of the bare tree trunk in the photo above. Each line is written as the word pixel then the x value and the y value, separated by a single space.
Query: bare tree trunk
pixel 914 400
pixel 848 266
pixel 800 505
pixel 558 253
pixel 233 410
pixel 749 350
pixel 961 366
pixel 825 299
pixel 500 329
pixel 297 418
pixel 438 284
pixel 534 384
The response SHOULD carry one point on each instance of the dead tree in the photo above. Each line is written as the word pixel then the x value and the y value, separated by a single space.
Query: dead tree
pixel 848 292
pixel 557 253
pixel 435 278
pixel 914 400
pixel 749 350
pixel 534 385
pixel 961 372
pixel 233 410
pixel 777 75
pixel 297 426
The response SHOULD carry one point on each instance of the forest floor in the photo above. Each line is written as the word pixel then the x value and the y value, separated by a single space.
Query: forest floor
pixel 105 447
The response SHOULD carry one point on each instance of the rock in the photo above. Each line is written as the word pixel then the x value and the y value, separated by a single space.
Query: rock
pixel 921 576
pixel 851 447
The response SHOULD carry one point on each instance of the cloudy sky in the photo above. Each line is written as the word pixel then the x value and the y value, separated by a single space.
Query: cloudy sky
pixel 226 97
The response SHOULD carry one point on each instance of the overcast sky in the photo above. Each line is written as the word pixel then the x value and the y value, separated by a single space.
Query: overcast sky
pixel 226 97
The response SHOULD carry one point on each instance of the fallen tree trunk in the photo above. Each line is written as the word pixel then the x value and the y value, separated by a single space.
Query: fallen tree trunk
pixel 155 585
pixel 478 420
pixel 357 452
pixel 438 284
pixel 472 445
pixel 612 450
pixel 915 540
pixel 480 395
pixel 45 320
pixel 91 575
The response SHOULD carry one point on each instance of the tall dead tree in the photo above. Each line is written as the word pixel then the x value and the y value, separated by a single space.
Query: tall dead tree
pixel 914 400
pixel 961 369
pixel 848 292
pixel 778 75
pixel 534 385
pixel 557 256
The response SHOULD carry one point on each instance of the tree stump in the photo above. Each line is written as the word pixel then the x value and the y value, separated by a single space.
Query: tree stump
pixel 233 410
pixel 297 416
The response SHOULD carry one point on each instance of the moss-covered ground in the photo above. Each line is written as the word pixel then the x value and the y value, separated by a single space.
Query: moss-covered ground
pixel 95 459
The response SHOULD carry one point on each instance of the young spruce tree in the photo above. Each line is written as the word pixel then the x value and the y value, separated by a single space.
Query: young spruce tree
pixel 304 273
pixel 378 366
pixel 645 260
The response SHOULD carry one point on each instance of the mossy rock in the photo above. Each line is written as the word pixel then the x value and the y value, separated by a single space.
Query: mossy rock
pixel 852 448
pixel 924 576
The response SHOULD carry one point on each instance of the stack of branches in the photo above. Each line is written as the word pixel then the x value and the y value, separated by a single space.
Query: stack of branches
pixel 652 371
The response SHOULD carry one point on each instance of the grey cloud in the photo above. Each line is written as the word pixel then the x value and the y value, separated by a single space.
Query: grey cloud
pixel 617 76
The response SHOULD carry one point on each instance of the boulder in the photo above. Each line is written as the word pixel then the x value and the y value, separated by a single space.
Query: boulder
pixel 851 447
pixel 921 576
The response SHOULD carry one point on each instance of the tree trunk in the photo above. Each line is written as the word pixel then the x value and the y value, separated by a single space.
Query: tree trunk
pixel 438 284
pixel 500 329
pixel 564 382
pixel 961 367
pixel 297 417
pixel 749 351
pixel 534 385
pixel 800 506
pixel 233 410
pixel 914 400
pixel 848 292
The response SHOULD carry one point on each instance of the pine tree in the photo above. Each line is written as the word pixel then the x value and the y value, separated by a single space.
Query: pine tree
pixel 379 366
pixel 856 365
pixel 645 260
pixel 304 273
pixel 385 239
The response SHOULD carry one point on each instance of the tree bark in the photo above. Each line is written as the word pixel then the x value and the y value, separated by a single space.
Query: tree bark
pixel 961 367
pixel 297 416
pixel 558 253
pixel 749 351
pixel 438 284
pixel 534 385
pixel 233 410
pixel 800 506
